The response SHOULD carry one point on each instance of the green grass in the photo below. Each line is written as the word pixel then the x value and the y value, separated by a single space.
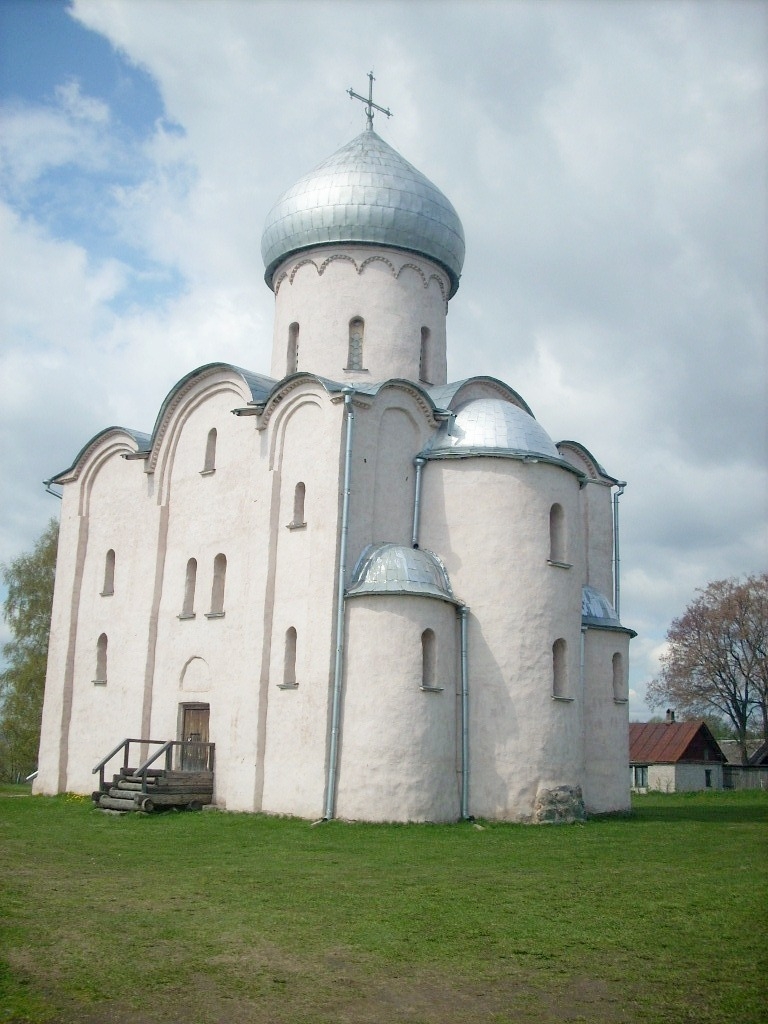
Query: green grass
pixel 203 918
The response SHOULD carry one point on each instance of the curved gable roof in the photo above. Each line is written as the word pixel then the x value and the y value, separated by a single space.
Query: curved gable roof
pixel 139 439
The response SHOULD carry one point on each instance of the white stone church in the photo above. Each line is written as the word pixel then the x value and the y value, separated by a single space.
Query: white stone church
pixel 382 596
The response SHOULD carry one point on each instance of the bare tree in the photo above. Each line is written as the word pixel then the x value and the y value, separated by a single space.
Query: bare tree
pixel 716 659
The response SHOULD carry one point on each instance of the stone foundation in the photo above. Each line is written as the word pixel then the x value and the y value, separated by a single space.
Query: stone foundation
pixel 562 805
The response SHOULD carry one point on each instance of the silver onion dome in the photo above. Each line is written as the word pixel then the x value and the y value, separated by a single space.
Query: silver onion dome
pixel 493 426
pixel 365 192
pixel 396 569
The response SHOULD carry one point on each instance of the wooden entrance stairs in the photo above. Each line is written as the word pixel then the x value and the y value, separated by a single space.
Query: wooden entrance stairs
pixel 186 781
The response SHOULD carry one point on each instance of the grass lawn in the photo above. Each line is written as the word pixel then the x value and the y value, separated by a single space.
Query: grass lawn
pixel 202 918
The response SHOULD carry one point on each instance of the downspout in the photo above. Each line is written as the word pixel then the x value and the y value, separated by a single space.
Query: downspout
pixel 333 753
pixel 463 611
pixel 621 484
pixel 419 463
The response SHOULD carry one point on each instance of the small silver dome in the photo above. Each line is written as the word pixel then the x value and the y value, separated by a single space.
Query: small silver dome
pixel 396 569
pixel 365 192
pixel 491 425
pixel 596 609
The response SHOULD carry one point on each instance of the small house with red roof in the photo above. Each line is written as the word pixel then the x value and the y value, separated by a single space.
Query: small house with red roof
pixel 674 757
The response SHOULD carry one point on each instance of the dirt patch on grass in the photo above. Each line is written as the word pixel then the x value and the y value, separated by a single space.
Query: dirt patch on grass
pixel 343 990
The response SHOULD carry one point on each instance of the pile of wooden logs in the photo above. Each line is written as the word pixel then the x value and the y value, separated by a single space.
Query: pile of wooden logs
pixel 158 791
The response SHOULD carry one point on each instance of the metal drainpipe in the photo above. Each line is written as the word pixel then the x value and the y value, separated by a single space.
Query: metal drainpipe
pixel 419 464
pixel 330 794
pixel 463 611
pixel 621 484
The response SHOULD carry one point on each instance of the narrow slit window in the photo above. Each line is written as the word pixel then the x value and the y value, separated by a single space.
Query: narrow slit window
pixel 101 659
pixel 109 574
pixel 619 683
pixel 210 451
pixel 356 335
pixel 557 534
pixel 425 369
pixel 188 608
pixel 299 495
pixel 559 669
pixel 217 590
pixel 289 664
pixel 428 659
pixel 292 360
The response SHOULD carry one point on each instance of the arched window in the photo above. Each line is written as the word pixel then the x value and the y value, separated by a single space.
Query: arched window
pixel 557 534
pixel 559 669
pixel 217 590
pixel 355 354
pixel 425 368
pixel 188 608
pixel 289 664
pixel 101 659
pixel 292 359
pixel 298 506
pixel 109 574
pixel 428 659
pixel 210 452
pixel 619 682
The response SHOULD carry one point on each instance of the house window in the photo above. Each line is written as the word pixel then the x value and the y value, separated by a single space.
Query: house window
pixel 292 360
pixel 101 660
pixel 109 574
pixel 425 368
pixel 298 507
pixel 619 682
pixel 209 466
pixel 289 663
pixel 640 776
pixel 559 669
pixel 217 590
pixel 188 608
pixel 355 353
pixel 557 535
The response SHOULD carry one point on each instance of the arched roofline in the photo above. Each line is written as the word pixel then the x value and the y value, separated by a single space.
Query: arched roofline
pixel 335 389
pixel 136 438
pixel 596 471
pixel 256 384
pixel 515 454
pixel 451 395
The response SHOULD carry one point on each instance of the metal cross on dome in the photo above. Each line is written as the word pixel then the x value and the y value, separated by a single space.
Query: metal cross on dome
pixel 370 106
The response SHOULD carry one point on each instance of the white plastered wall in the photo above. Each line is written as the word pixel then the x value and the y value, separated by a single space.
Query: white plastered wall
pixel 488 519
pixel 606 722
pixel 105 507
pixel 306 441
pixel 395 293
pixel 208 514
pixel 398 746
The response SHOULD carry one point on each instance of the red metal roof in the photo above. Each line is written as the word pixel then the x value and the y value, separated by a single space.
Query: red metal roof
pixel 669 742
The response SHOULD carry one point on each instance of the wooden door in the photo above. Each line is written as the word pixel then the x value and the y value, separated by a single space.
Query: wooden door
pixel 194 734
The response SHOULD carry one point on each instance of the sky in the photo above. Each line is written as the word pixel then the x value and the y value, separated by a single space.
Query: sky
pixel 608 160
